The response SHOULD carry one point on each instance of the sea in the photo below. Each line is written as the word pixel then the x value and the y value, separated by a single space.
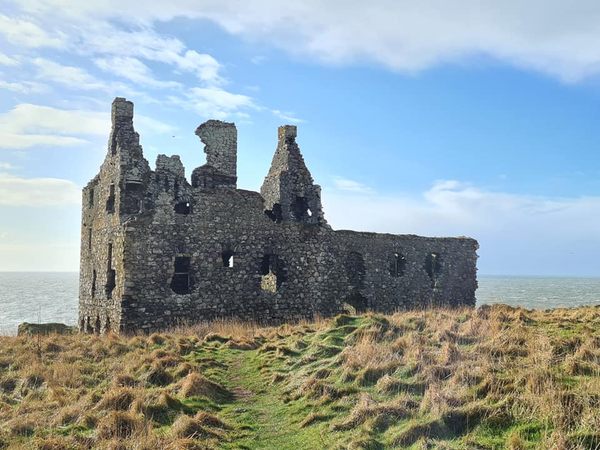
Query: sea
pixel 39 297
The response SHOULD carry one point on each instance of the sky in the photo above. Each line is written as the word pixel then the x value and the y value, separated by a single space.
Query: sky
pixel 471 117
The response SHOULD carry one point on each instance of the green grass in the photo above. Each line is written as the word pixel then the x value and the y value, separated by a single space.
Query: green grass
pixel 487 379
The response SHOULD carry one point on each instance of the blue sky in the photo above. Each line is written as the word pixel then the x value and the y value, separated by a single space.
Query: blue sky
pixel 476 118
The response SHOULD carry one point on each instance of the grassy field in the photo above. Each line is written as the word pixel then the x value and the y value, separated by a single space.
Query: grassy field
pixel 487 378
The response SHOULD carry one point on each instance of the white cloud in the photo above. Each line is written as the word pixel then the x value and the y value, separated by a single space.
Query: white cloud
pixel 345 184
pixel 17 191
pixel 28 125
pixel 24 141
pixel 23 87
pixel 6 60
pixel 287 116
pixel 134 70
pixel 29 118
pixel 517 233
pixel 76 78
pixel 28 34
pixel 553 36
pixel 6 166
pixel 214 102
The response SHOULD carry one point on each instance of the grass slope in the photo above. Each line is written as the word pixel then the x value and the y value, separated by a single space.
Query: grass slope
pixel 491 378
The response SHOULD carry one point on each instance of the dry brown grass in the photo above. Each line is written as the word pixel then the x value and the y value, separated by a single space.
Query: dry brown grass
pixel 442 372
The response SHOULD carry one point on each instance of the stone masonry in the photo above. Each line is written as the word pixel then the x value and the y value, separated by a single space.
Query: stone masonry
pixel 158 251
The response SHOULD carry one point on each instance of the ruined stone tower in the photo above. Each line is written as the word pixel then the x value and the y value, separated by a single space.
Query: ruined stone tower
pixel 289 191
pixel 157 250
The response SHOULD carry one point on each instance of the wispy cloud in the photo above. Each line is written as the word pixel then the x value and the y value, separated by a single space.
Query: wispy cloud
pixel 6 60
pixel 289 117
pixel 536 234
pixel 25 33
pixel 28 125
pixel 214 102
pixel 554 37
pixel 35 192
pixel 134 70
pixel 345 184
pixel 23 87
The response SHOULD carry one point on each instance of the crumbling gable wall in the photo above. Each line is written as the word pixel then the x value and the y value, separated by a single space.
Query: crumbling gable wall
pixel 289 191
pixel 184 252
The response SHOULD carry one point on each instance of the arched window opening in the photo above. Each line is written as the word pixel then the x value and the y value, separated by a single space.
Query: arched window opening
pixel 183 208
pixel 398 265
pixel 180 283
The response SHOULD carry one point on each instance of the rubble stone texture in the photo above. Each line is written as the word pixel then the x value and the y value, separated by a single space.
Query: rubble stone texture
pixel 158 251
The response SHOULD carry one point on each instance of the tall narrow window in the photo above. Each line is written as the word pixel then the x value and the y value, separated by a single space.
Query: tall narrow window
pixel 398 265
pixel 89 238
pixel 110 202
pixel 180 283
pixel 91 197
pixel 111 275
pixel 94 283
pixel 227 257
pixel 433 267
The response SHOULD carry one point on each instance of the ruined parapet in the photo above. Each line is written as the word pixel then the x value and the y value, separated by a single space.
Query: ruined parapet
pixel 289 190
pixel 170 164
pixel 220 146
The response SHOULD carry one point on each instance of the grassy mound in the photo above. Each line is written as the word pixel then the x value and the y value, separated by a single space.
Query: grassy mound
pixel 488 378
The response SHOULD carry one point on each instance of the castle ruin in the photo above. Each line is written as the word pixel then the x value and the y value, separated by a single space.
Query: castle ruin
pixel 157 250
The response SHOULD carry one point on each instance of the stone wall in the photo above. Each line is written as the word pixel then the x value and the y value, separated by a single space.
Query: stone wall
pixel 199 251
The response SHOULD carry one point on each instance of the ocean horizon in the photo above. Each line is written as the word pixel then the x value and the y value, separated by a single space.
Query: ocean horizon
pixel 53 296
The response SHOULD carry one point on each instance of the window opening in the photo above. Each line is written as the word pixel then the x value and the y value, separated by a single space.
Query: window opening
pixel 275 214
pixel 433 267
pixel 180 283
pixel 398 265
pixel 227 257
pixel 272 273
pixel 111 275
pixel 94 283
pixel 183 208
pixel 110 202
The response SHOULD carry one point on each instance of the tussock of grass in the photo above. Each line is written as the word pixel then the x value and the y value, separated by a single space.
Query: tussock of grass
pixel 493 377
